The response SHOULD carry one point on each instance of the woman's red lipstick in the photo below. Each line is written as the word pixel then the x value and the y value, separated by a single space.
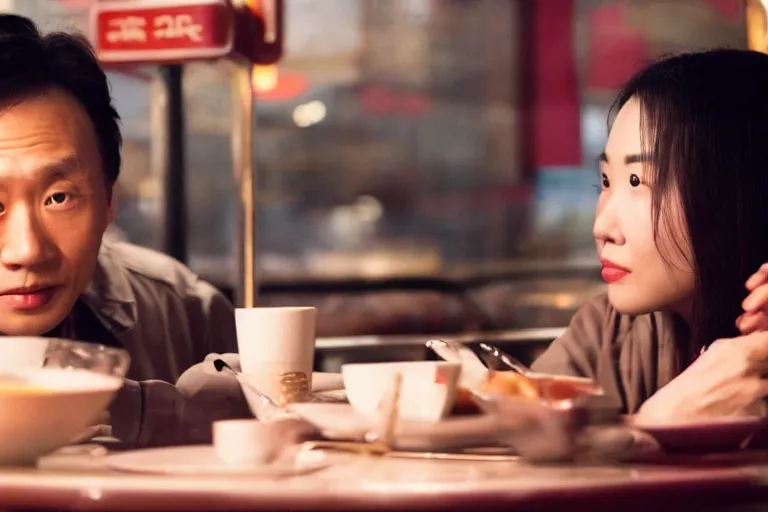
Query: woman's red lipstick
pixel 612 272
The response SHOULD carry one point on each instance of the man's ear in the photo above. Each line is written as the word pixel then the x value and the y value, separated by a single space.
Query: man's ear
pixel 111 204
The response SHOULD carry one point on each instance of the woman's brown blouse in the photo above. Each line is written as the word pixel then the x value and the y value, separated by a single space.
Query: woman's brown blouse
pixel 631 357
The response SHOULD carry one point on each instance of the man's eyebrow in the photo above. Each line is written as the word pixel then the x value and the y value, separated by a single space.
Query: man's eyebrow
pixel 52 170
pixel 59 169
pixel 602 158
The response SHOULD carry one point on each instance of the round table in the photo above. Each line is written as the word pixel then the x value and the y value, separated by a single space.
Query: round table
pixel 355 482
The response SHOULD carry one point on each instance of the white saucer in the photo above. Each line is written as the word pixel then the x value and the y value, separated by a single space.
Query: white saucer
pixel 202 460
pixel 334 420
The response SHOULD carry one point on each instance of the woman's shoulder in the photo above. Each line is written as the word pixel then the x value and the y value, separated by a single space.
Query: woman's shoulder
pixel 598 328
pixel 597 322
pixel 598 315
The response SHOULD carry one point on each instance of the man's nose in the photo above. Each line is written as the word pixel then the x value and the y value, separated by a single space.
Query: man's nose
pixel 607 227
pixel 23 241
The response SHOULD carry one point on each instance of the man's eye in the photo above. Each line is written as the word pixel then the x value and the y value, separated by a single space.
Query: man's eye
pixel 57 199
pixel 604 182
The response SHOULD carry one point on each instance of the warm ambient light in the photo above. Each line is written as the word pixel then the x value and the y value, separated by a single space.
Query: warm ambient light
pixel 757 25
pixel 264 78
pixel 254 5
pixel 309 113
pixel 271 84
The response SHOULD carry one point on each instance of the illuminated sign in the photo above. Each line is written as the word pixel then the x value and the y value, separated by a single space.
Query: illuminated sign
pixel 163 31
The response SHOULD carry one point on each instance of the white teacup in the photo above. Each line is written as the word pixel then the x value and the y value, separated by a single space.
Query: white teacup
pixel 243 442
pixel 277 350
pixel 21 352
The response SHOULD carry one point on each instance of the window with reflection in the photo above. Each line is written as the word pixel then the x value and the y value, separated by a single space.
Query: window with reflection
pixel 413 138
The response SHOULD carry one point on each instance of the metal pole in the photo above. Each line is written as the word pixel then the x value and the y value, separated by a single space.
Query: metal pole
pixel 174 202
pixel 245 174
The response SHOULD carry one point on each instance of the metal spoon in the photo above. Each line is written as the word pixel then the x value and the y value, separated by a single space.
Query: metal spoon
pixel 473 372
pixel 265 409
pixel 508 360
pixel 456 352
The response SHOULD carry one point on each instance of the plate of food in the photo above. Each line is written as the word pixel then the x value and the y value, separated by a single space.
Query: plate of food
pixel 446 406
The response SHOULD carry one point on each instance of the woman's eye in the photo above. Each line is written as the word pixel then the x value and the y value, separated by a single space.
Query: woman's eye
pixel 634 180
pixel 57 199
pixel 604 182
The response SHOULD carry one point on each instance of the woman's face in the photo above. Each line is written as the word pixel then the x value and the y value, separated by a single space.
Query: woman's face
pixel 640 279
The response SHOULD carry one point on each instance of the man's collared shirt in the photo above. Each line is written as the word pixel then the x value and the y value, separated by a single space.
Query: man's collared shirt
pixel 168 320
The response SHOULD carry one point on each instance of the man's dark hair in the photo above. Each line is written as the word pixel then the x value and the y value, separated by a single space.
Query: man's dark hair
pixel 31 63
pixel 704 123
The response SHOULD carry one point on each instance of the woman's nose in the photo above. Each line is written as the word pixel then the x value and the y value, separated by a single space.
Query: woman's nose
pixel 607 226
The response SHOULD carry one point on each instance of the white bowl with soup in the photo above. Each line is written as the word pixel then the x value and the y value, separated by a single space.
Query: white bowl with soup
pixel 427 393
pixel 47 402
pixel 17 352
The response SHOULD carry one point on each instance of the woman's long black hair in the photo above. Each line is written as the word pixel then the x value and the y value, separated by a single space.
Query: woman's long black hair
pixel 704 123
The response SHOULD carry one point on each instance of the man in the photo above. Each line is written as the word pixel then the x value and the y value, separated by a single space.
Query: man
pixel 59 160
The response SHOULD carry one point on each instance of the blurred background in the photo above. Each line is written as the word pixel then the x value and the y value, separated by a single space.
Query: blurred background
pixel 425 166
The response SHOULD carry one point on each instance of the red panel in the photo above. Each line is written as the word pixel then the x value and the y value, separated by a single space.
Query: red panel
pixel 732 10
pixel 555 126
pixel 616 50
pixel 165 32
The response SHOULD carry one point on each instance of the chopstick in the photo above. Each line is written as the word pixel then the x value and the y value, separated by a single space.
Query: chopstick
pixel 383 443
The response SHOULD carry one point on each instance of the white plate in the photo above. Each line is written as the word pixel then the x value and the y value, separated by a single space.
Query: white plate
pixel 202 460
pixel 341 422
pixel 326 381
pixel 334 420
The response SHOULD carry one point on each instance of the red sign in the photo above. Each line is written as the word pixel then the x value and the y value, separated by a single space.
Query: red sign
pixel 164 31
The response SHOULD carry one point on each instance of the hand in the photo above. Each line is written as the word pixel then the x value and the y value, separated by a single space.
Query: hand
pixel 103 418
pixel 755 316
pixel 726 380
pixel 100 427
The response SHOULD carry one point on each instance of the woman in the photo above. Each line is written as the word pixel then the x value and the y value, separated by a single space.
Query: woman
pixel 682 231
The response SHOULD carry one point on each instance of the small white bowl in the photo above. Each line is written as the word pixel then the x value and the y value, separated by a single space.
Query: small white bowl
pixel 243 442
pixel 427 394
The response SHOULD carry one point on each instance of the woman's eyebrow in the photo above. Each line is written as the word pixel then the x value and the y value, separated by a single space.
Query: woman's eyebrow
pixel 634 158
pixel 637 158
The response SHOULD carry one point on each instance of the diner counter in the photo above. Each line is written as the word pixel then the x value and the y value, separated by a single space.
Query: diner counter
pixel 333 352
pixel 516 336
pixel 354 482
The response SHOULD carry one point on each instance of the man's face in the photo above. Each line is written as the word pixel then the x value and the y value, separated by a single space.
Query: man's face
pixel 54 208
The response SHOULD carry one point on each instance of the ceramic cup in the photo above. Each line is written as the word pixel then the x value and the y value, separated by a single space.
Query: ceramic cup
pixel 277 350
